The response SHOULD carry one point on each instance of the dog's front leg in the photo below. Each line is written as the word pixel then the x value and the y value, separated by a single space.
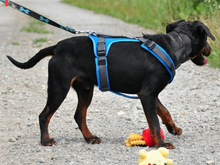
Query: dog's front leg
pixel 167 119
pixel 149 103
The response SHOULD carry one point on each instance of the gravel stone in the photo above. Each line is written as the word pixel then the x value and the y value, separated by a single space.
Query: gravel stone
pixel 210 163
pixel 30 123
pixel 41 160
pixel 11 139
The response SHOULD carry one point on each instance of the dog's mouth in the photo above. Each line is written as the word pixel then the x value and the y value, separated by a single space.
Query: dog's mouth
pixel 199 58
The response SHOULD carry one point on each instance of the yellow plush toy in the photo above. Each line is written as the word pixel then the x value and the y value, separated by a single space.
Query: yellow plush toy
pixel 134 139
pixel 144 139
pixel 154 157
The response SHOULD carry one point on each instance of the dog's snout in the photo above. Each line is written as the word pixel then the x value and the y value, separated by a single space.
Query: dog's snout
pixel 207 49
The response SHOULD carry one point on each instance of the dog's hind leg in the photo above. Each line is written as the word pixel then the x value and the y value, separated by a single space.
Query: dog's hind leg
pixel 85 94
pixel 58 87
pixel 167 119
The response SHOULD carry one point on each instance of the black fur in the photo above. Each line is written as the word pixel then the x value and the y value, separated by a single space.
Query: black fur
pixel 131 70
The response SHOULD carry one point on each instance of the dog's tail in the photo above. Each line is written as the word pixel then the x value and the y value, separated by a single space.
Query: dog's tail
pixel 49 51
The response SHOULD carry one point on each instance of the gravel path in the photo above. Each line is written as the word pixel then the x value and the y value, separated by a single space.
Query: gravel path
pixel 192 98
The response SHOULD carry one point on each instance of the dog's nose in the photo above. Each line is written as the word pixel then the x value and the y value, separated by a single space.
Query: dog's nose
pixel 207 49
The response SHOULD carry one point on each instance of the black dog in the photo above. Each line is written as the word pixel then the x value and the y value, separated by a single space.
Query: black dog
pixel 131 70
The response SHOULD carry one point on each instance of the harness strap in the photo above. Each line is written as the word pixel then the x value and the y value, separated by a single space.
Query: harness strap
pixel 102 64
pixel 108 36
pixel 160 54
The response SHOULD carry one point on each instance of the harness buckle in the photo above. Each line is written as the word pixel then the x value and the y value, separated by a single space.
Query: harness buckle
pixel 150 44
pixel 101 46
pixel 101 49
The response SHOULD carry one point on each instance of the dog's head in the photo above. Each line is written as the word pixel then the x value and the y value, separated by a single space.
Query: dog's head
pixel 197 32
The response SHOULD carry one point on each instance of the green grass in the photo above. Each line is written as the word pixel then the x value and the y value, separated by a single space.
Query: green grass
pixel 15 43
pixel 156 14
pixel 139 12
pixel 38 42
pixel 214 26
pixel 35 26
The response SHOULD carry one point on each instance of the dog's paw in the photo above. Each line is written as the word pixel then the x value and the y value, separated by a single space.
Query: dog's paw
pixel 93 140
pixel 48 142
pixel 169 146
pixel 174 130
pixel 178 131
pixel 166 145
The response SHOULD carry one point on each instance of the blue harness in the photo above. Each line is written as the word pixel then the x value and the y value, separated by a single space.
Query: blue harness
pixel 101 46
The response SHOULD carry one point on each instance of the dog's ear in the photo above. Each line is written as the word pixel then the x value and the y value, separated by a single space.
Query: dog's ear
pixel 171 26
pixel 202 29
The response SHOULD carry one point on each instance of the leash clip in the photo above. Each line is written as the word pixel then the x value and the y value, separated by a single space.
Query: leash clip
pixel 84 31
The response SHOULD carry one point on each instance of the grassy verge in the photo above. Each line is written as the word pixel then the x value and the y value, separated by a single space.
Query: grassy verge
pixel 38 42
pixel 156 14
pixel 35 26
pixel 214 26
pixel 141 12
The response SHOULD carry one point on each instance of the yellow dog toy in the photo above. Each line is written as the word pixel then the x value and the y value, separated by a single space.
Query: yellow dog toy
pixel 144 139
pixel 154 157
pixel 134 139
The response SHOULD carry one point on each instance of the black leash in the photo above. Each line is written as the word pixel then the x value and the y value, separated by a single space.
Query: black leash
pixel 42 18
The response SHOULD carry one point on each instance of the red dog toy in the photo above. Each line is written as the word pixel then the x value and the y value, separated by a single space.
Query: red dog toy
pixel 148 139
